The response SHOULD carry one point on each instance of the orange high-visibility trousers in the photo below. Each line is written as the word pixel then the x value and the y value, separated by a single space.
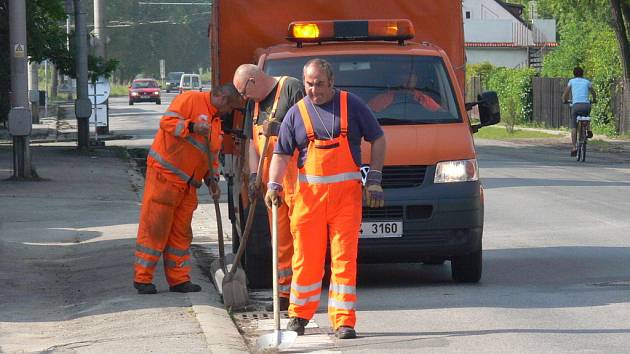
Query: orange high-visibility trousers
pixel 165 228
pixel 328 205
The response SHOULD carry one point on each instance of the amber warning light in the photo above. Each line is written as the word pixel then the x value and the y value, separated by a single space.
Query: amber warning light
pixel 350 30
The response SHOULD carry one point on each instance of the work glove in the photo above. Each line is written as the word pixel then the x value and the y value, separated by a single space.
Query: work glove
pixel 201 128
pixel 373 192
pixel 252 189
pixel 273 194
pixel 213 188
pixel 271 127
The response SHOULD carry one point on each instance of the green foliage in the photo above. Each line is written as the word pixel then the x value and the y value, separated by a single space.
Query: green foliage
pixel 141 35
pixel 514 88
pixel 587 39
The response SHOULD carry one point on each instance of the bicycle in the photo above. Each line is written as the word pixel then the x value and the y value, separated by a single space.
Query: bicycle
pixel 582 136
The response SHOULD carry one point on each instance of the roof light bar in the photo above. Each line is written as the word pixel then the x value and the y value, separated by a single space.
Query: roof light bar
pixel 350 30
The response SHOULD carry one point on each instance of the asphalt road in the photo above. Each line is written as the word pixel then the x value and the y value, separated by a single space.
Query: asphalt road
pixel 556 260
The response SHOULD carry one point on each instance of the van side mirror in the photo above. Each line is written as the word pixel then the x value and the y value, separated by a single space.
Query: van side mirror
pixel 489 109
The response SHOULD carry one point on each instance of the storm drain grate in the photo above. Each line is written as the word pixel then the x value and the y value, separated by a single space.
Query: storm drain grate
pixel 257 316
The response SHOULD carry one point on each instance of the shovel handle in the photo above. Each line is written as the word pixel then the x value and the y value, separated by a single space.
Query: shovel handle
pixel 274 263
pixel 250 215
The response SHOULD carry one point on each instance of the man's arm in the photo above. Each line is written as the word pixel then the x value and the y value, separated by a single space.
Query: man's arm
pixel 253 157
pixel 377 158
pixel 565 94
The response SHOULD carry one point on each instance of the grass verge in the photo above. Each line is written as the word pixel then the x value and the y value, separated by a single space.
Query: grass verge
pixel 500 133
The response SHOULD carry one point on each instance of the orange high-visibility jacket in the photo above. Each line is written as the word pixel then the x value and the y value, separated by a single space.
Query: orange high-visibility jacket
pixel 182 155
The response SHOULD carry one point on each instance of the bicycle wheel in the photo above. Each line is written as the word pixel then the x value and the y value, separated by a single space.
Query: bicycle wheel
pixel 581 147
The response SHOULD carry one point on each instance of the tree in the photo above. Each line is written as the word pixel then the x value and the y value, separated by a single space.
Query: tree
pixel 45 40
pixel 621 16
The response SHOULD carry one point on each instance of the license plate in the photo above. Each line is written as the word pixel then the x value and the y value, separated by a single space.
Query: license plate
pixel 381 229
pixel 145 96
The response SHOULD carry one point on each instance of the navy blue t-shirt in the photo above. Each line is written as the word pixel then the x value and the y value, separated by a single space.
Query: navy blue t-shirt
pixel 361 124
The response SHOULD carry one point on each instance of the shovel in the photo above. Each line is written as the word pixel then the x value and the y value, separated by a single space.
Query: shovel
pixel 218 268
pixel 278 339
pixel 235 282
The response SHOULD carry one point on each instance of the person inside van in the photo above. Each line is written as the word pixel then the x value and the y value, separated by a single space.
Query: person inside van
pixel 404 93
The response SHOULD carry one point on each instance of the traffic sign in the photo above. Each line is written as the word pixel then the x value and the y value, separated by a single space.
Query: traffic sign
pixel 19 51
pixel 102 91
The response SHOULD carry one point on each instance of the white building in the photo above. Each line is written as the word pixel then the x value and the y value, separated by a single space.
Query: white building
pixel 495 32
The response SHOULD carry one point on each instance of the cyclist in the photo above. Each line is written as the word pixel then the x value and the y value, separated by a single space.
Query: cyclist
pixel 578 88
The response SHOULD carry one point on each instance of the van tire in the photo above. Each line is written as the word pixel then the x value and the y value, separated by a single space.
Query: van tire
pixel 467 268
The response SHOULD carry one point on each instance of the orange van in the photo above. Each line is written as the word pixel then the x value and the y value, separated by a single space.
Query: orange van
pixel 405 59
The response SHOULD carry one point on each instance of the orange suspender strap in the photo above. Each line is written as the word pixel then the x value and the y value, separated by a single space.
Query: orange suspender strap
pixel 306 118
pixel 275 102
pixel 343 119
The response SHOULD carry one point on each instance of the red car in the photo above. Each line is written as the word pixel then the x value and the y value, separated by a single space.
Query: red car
pixel 144 90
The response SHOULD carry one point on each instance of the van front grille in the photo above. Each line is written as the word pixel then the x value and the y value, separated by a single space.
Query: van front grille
pixel 403 176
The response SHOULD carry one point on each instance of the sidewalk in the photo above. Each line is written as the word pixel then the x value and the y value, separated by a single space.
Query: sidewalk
pixel 66 265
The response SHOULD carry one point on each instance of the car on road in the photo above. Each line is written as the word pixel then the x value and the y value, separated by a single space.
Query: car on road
pixel 172 80
pixel 144 90
pixel 190 82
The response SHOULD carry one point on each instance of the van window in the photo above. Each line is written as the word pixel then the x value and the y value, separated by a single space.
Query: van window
pixel 195 81
pixel 400 89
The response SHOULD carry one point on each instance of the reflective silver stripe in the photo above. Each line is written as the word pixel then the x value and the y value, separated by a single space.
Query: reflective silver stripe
pixel 172 264
pixel 306 288
pixel 147 250
pixel 145 263
pixel 302 302
pixel 201 147
pixel 179 128
pixel 181 174
pixel 286 272
pixel 348 176
pixel 173 114
pixel 176 251
pixel 284 288
pixel 343 289
pixel 343 305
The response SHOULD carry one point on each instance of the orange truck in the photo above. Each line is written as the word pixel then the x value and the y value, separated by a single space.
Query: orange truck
pixel 434 206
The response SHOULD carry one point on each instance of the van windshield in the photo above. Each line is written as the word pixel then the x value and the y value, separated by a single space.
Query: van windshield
pixel 400 89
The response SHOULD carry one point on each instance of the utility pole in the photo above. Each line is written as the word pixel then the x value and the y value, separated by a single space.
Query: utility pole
pixel 82 105
pixel 20 121
pixel 33 90
pixel 100 50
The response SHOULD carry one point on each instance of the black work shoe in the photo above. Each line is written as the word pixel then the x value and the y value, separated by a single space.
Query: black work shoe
pixel 283 302
pixel 297 325
pixel 186 287
pixel 345 332
pixel 589 134
pixel 144 288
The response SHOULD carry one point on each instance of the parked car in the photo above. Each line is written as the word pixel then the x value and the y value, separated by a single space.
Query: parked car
pixel 144 90
pixel 172 80
pixel 190 82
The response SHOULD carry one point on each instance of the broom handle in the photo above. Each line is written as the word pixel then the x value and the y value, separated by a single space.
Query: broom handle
pixel 217 210
pixel 250 213
pixel 274 247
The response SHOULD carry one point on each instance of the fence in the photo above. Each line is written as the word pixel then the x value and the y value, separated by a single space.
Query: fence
pixel 547 102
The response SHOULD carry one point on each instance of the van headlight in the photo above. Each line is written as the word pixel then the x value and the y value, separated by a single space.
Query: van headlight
pixel 456 171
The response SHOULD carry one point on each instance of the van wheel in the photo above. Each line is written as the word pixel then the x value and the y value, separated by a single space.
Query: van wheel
pixel 467 269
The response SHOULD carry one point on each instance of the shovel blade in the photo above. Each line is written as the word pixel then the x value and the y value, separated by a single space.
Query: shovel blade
pixel 277 339
pixel 235 290
pixel 217 275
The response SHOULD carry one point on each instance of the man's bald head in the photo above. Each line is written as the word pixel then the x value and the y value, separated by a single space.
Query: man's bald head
pixel 252 83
